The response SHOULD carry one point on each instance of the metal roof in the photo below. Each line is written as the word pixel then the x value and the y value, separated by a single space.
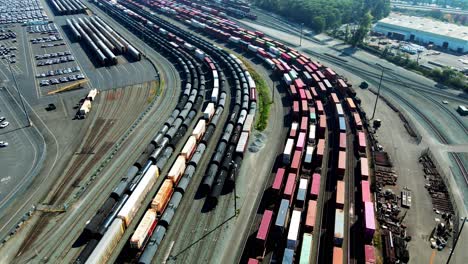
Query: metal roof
pixel 427 25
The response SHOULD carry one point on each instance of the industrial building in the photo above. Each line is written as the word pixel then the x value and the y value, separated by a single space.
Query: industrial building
pixel 425 31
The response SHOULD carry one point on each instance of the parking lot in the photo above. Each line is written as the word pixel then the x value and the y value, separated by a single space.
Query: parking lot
pixel 54 63
pixel 21 11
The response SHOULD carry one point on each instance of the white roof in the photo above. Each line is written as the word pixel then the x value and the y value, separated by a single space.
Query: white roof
pixel 426 25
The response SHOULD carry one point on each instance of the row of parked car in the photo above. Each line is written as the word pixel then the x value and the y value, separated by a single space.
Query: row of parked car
pixel 56 61
pixel 51 38
pixel 64 79
pixel 52 55
pixel 44 29
pixel 3 124
pixel 58 72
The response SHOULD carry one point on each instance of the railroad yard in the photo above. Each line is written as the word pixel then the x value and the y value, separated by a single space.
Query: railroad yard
pixel 134 134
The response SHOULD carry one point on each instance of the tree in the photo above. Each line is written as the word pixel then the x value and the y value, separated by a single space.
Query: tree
pixel 363 30
pixel 319 23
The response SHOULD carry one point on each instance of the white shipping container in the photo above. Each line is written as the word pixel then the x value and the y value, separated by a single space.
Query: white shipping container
pixel 303 184
pixel 189 46
pixel 199 129
pixel 251 82
pixel 106 245
pixel 216 83
pixel 272 55
pixel 309 154
pixel 214 95
pixel 189 147
pixel 130 208
pixel 144 227
pixel 242 144
pixel 274 50
pixel 293 233
pixel 233 56
pixel 270 63
pixel 252 48
pixel 339 110
pixel 209 111
pixel 234 39
pixel 162 31
pixel 312 134
pixel 248 123
pixel 288 151
pixel 199 54
pixel 215 74
pixel 177 169
pixel 287 79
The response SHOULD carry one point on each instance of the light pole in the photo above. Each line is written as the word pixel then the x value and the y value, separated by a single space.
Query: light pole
pixel 417 59
pixel 465 219
pixel 300 39
pixel 378 90
pixel 19 93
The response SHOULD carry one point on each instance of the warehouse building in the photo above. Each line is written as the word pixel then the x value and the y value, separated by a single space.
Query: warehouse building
pixel 425 31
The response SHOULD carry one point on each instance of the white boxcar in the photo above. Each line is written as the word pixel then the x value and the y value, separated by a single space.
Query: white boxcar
pixel 106 245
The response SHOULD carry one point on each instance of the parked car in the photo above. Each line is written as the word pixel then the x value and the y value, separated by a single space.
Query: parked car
pixel 3 144
pixel 2 118
pixel 4 124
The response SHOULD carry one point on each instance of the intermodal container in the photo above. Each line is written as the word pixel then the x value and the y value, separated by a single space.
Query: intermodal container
pixel 322 88
pixel 288 148
pixel 304 107
pixel 296 161
pixel 199 129
pixel 340 194
pixel 357 120
pixel 209 111
pixel 369 254
pixel 365 192
pixel 301 141
pixel 315 78
pixel 278 182
pixel 309 154
pixel 288 257
pixel 312 115
pixel 144 230
pixel 308 96
pixel 341 163
pixel 243 142
pixel 301 193
pixel 339 227
pixel 369 221
pixel 337 255
pixel 177 169
pixel 282 217
pixel 306 249
pixel 311 138
pixel 322 125
pixel 342 141
pixel 299 83
pixel 315 186
pixel 342 124
pixel 290 187
pixel 252 261
pixel 339 110
pixel 351 104
pixel 293 91
pixel 264 229
pixel 362 142
pixel 335 98
pixel 294 226
pixel 314 92
pixel 364 168
pixel 319 107
pixel 293 131
pixel 304 124
pixel 320 75
pixel 320 149
pixel 329 73
pixel 163 196
pixel 296 109
pixel 189 147
pixel 311 214
pixel 327 84
pixel 248 123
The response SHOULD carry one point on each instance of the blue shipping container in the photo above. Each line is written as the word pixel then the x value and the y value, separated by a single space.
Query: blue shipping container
pixel 282 215
pixel 288 256
pixel 342 124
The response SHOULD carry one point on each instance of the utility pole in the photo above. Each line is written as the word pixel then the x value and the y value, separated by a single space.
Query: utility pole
pixel 19 93
pixel 417 59
pixel 300 39
pixel 458 237
pixel 378 90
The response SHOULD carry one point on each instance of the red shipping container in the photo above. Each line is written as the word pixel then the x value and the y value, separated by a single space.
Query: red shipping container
pixel 315 77
pixel 342 84
pixel 296 162
pixel 319 107
pixel 308 96
pixel 320 75
pixel 295 109
pixel 315 186
pixel 290 187
pixel 310 218
pixel 264 229
pixel 285 57
pixel 301 141
pixel 299 83
pixel 364 168
pixel 337 255
pixel 351 104
pixel 369 221
pixel 322 125
pixel 343 141
pixel 341 163
pixel 302 94
pixel 293 131
pixel 340 194
pixel 312 66
pixel 308 69
pixel 357 120
pixel 293 91
pixel 362 142
pixel 304 124
pixel 335 98
pixel 304 107
pixel 322 87
pixel 314 92
pixel 278 182
pixel 330 74
pixel 320 148
pixel 369 254
pixel 253 94
pixel 365 191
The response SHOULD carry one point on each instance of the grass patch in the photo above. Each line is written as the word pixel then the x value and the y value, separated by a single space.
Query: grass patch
pixel 263 97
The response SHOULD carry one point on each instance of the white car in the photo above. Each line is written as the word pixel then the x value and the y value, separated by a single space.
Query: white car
pixel 2 118
pixel 4 124
pixel 3 144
